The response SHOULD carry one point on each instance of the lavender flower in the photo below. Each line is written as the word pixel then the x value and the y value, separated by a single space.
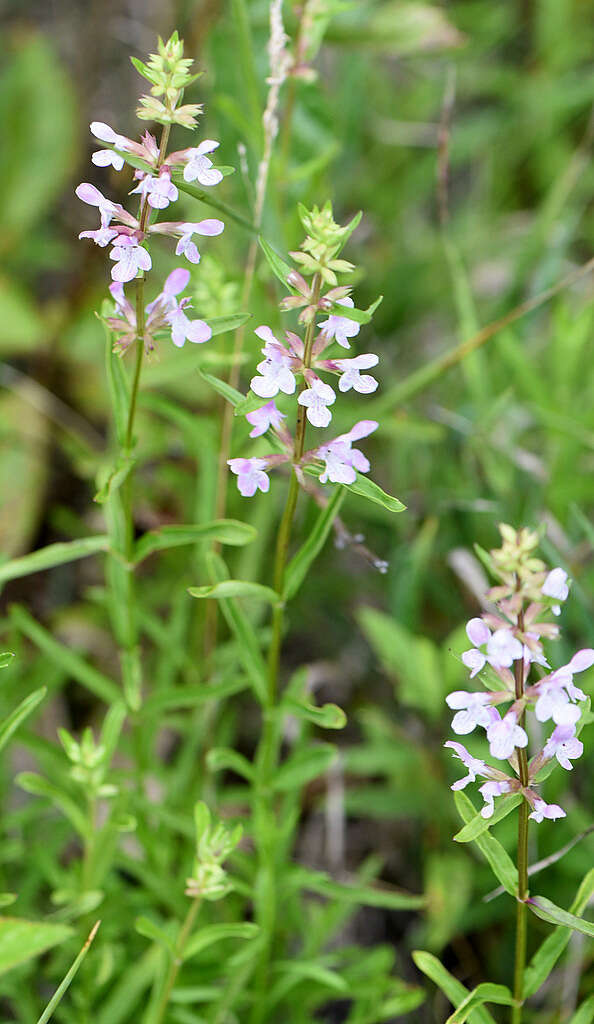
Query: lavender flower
pixel 264 418
pixel 341 328
pixel 316 400
pixel 543 810
pixel 250 475
pixel 564 745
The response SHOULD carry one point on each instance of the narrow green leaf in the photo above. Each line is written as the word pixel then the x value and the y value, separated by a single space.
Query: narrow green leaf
pixel 206 937
pixel 329 716
pixel 370 490
pixel 549 911
pixel 585 1013
pixel 117 384
pixel 224 324
pixel 276 264
pixel 299 565
pixel 249 404
pixel 20 940
pixel 221 758
pixel 450 986
pixel 236 588
pixel 206 197
pixel 225 531
pixel 361 316
pixel 68 978
pixel 248 648
pixel 477 825
pixel 70 662
pixel 546 956
pixel 36 785
pixel 501 863
pixel 485 993
pixel 303 766
pixel 225 390
pixel 53 554
pixel 365 895
pixel 25 708
pixel 6 658
pixel 303 970
pixel 174 698
pixel 150 930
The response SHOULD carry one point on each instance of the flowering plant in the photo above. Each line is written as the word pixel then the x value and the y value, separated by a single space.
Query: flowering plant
pixel 508 656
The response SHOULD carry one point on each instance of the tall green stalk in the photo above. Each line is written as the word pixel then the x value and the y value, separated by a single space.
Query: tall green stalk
pixel 267 754
pixel 521 920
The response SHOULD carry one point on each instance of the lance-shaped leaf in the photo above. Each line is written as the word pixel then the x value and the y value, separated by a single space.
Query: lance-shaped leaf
pixel 365 895
pixel 329 716
pixel 217 204
pixel 548 953
pixel 221 758
pixel 224 389
pixel 304 766
pixel 236 588
pixel 52 555
pixel 276 264
pixel 370 490
pixel 299 565
pixel 206 937
pixel 68 978
pixel 549 911
pixel 485 993
pixel 500 861
pixel 450 986
pixel 361 316
pixel 477 825
pixel 20 940
pixel 25 708
pixel 585 1013
pixel 224 531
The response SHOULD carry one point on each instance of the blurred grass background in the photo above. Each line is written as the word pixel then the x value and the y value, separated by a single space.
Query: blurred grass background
pixel 499 97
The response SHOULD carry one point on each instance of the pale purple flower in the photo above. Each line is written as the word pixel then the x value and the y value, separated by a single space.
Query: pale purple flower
pixel 342 461
pixel 103 236
pixel 556 586
pixel 351 376
pixel 87 193
pixel 182 328
pixel 543 810
pixel 275 369
pixel 504 735
pixel 250 475
pixel 106 157
pixel 489 790
pixel 502 648
pixel 316 400
pixel 553 701
pixel 264 418
pixel 158 190
pixel 474 765
pixel 341 328
pixel 472 709
pixel 129 259
pixel 564 744
pixel 199 167
pixel 188 248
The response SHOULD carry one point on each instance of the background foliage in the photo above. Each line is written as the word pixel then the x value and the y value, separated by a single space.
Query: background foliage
pixel 507 434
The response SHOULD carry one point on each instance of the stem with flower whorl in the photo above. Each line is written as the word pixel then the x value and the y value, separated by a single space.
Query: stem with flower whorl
pixel 521 922
pixel 268 747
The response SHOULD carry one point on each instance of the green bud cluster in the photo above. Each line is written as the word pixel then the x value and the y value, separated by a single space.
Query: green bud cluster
pixel 516 565
pixel 214 843
pixel 89 763
pixel 168 71
pixel 323 242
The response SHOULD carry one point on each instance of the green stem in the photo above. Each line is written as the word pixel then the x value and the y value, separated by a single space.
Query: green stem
pixel 177 961
pixel 267 753
pixel 521 919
